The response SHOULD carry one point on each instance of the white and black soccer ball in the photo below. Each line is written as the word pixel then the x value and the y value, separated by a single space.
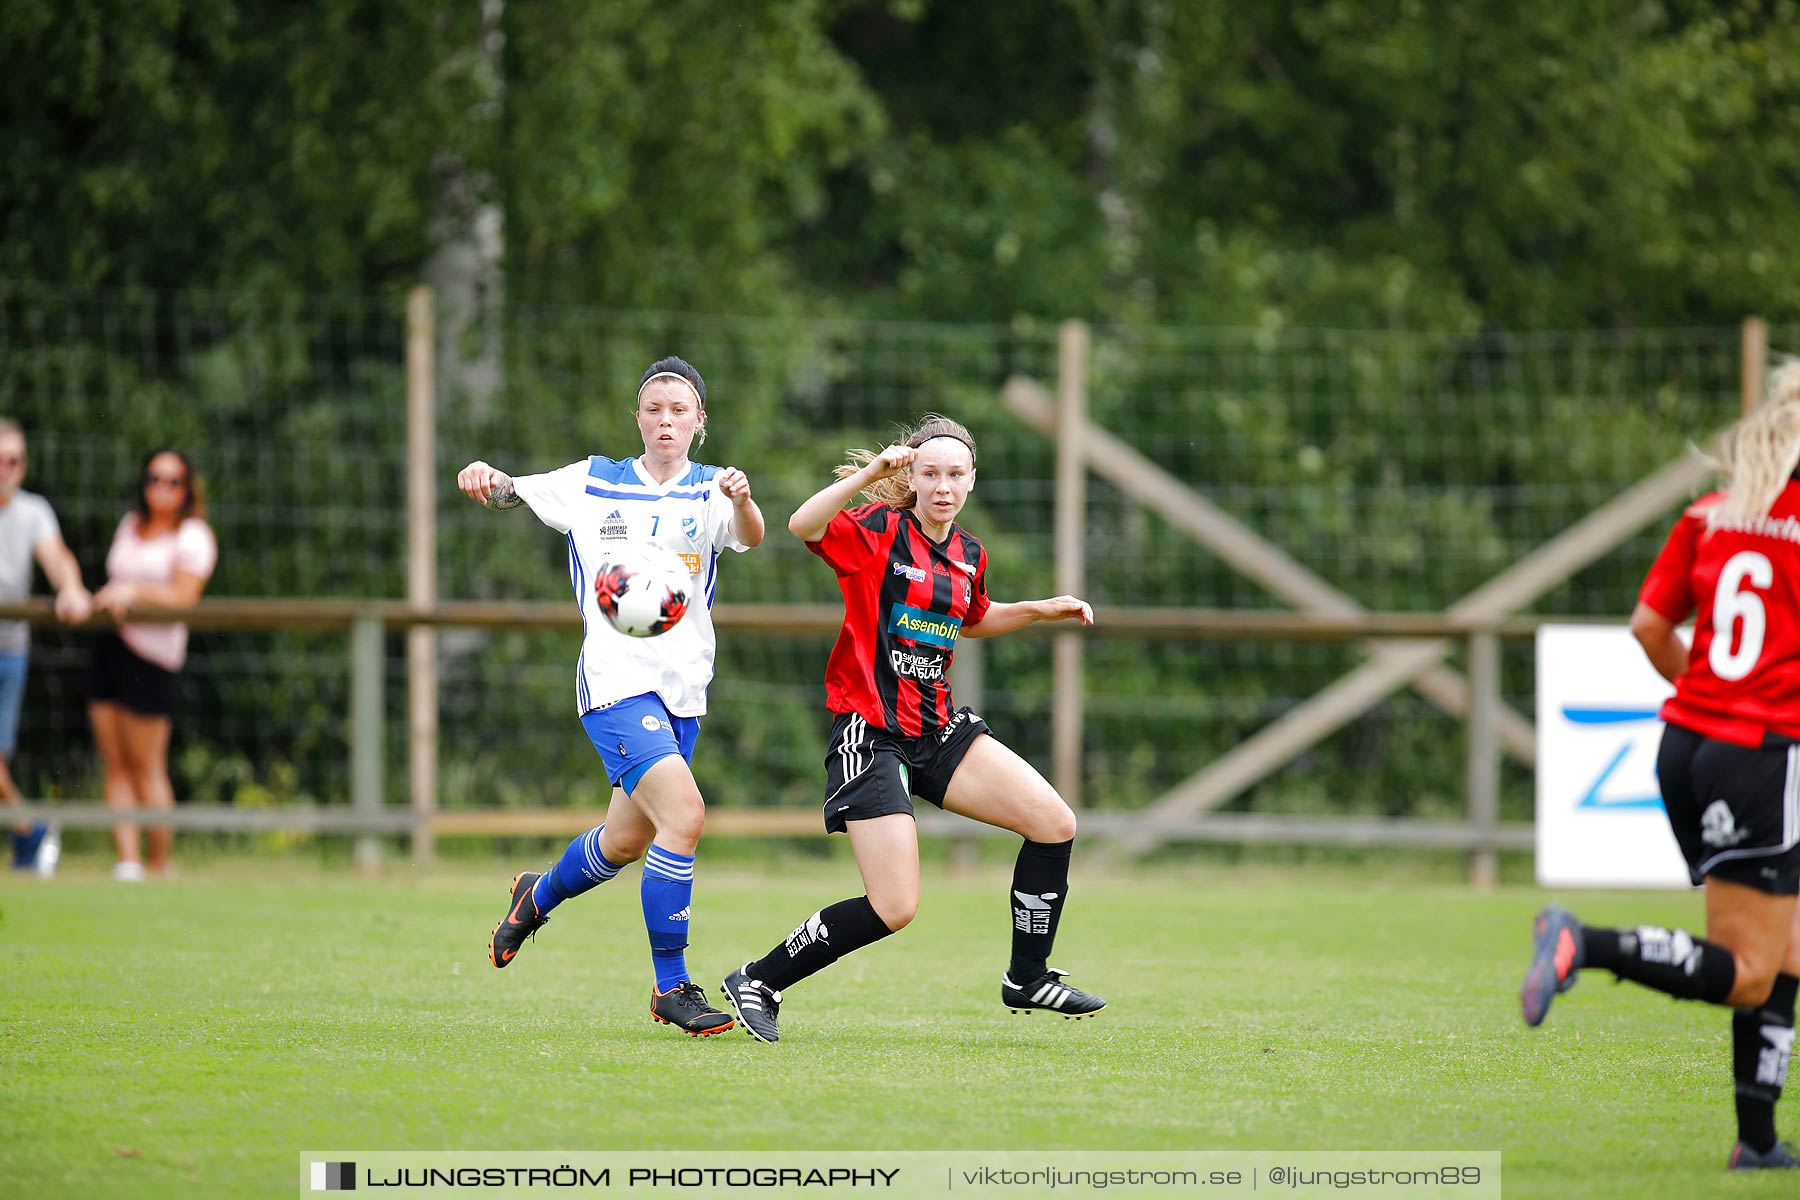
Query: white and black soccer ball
pixel 642 590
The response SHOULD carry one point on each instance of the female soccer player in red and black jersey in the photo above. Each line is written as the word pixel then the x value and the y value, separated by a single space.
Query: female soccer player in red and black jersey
pixel 914 583
pixel 1729 767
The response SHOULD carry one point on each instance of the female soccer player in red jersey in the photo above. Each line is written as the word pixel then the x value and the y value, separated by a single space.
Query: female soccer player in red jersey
pixel 914 583
pixel 1729 767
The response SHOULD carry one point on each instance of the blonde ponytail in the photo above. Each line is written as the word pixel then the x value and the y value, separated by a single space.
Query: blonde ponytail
pixel 1759 454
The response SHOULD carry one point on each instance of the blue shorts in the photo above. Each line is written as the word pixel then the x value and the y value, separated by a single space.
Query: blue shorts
pixel 637 733
pixel 12 697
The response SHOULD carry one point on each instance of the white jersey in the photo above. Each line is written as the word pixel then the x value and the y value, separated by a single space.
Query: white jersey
pixel 601 504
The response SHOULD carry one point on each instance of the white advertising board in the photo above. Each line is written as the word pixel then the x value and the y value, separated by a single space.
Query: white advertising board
pixel 1600 819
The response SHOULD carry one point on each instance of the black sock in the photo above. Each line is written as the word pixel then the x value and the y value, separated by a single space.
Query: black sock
pixel 821 940
pixel 1668 960
pixel 1040 885
pixel 1761 1039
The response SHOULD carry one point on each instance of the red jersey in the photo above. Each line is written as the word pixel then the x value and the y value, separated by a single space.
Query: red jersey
pixel 906 599
pixel 1742 583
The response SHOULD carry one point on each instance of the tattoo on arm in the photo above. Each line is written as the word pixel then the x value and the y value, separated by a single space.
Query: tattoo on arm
pixel 505 497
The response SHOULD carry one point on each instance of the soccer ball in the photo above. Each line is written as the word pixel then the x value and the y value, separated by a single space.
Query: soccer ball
pixel 642 590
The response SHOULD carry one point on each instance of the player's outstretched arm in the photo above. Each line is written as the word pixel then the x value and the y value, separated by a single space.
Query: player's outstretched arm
pixel 810 519
pixel 488 485
pixel 1004 618
pixel 746 518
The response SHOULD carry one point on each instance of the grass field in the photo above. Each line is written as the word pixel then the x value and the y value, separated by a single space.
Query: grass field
pixel 190 1037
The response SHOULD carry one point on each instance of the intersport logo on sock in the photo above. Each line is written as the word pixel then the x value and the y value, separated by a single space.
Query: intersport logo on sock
pixel 1031 914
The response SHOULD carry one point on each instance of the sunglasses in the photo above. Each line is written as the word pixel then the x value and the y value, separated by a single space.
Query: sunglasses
pixel 165 480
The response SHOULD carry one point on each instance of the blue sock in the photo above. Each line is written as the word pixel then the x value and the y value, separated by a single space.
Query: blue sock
pixel 581 868
pixel 25 845
pixel 667 892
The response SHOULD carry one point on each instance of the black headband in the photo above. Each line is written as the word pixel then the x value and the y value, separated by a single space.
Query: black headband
pixel 955 437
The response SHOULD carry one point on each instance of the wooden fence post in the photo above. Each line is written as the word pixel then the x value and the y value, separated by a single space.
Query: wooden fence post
pixel 1484 753
pixel 421 565
pixel 1753 360
pixel 1071 521
pixel 368 749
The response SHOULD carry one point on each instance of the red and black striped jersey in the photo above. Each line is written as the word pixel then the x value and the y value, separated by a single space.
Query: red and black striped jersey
pixel 906 599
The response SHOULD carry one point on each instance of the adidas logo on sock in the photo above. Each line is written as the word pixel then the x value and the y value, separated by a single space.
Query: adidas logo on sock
pixel 682 915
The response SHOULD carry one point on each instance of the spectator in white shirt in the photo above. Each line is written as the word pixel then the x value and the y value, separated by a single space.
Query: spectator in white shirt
pixel 28 533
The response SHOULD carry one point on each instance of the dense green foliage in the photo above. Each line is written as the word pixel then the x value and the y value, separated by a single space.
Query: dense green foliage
pixel 1323 161
pixel 196 1038
pixel 848 213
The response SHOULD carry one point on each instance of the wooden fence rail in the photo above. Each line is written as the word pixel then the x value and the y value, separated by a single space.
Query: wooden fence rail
pixel 367 817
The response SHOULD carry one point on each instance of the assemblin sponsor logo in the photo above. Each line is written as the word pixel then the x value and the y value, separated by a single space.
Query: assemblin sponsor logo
pixel 924 626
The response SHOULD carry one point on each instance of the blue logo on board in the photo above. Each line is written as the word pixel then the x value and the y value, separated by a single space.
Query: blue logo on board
pixel 1592 798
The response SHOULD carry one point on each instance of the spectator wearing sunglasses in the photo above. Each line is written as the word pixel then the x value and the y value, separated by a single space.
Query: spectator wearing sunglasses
pixel 162 555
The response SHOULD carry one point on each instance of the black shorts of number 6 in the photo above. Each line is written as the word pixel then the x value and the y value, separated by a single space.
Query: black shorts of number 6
pixel 914 584
pixel 1729 769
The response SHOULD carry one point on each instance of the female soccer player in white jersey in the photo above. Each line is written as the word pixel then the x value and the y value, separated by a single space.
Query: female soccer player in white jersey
pixel 640 699
pixel 1729 768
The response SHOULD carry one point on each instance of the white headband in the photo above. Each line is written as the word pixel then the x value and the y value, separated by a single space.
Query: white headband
pixel 672 375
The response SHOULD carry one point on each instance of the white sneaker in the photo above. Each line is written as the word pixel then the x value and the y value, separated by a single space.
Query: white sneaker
pixel 128 872
pixel 49 853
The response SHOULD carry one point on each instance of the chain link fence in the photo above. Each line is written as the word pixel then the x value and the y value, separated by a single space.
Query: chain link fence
pixel 1404 469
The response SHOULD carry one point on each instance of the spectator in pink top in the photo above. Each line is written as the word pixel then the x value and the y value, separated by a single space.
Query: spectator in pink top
pixel 162 555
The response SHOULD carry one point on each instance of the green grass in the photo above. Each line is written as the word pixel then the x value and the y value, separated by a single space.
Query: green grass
pixel 192 1037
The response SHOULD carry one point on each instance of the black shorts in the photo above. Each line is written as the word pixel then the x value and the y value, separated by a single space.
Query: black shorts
pixel 1735 810
pixel 873 772
pixel 117 674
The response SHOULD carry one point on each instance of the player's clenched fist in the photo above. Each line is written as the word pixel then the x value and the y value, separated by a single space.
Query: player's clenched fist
pixel 891 461
pixel 735 484
pixel 485 485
